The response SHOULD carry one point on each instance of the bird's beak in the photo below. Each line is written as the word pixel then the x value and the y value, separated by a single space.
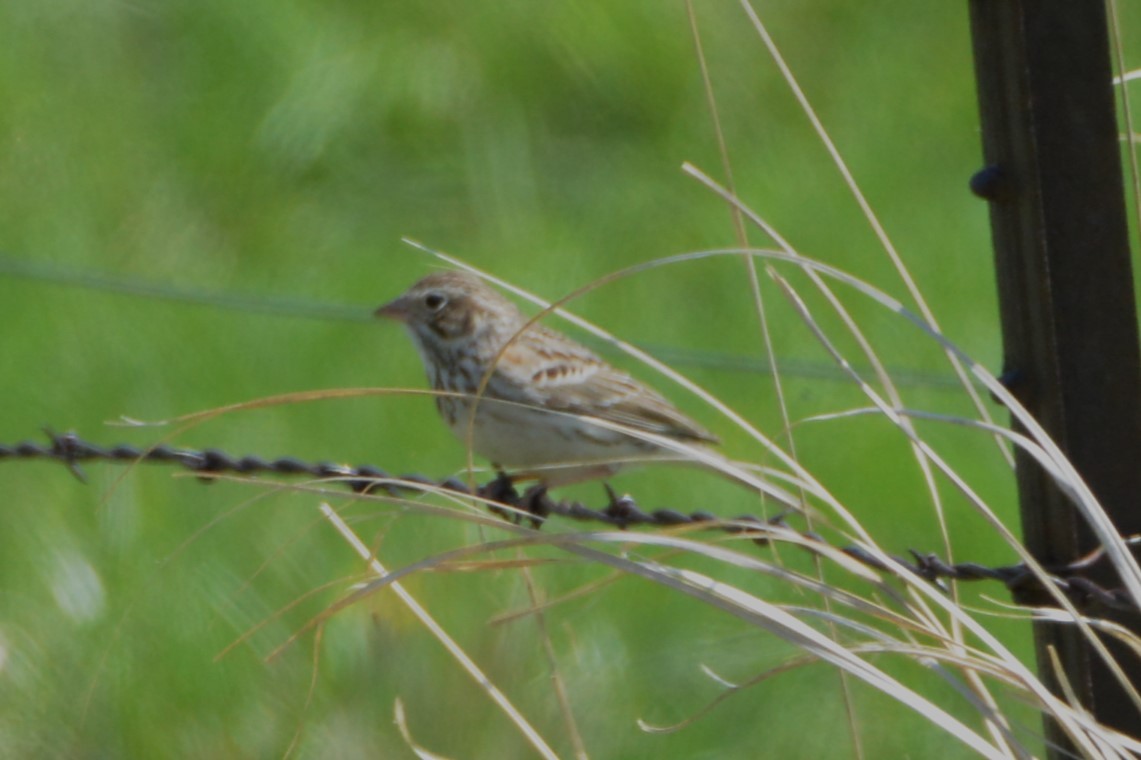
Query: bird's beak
pixel 397 310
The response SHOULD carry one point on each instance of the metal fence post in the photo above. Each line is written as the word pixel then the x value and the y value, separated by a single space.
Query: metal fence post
pixel 1069 317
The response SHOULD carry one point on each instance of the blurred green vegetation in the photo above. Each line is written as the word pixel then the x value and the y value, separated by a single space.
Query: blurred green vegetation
pixel 283 149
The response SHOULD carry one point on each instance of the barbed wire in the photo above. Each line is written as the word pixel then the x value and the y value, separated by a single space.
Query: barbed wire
pixel 536 505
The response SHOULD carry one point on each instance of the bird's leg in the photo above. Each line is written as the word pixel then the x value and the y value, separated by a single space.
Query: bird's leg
pixel 503 481
pixel 534 500
pixel 536 503
pixel 501 490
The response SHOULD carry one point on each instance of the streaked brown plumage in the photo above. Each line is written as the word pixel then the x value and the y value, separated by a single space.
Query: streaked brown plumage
pixel 542 390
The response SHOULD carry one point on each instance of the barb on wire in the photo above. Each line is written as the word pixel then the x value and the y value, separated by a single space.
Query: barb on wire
pixel 536 504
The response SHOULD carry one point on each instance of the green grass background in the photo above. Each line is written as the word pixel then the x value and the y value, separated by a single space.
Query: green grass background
pixel 282 149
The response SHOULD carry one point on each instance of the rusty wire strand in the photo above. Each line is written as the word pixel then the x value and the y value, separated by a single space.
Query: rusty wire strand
pixel 535 503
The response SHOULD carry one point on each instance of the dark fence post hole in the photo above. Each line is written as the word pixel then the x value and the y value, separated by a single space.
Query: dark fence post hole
pixel 1069 318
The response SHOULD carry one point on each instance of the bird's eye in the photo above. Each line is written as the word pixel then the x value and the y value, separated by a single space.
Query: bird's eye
pixel 434 301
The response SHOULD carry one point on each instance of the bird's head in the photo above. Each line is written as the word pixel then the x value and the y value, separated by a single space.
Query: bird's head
pixel 446 307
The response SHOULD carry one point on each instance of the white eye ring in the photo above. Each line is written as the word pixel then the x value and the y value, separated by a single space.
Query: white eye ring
pixel 435 301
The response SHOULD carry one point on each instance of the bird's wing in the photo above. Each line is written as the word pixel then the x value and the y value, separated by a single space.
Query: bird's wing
pixel 560 374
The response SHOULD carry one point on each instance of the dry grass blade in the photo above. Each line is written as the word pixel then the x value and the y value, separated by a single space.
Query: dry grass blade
pixel 453 648
pixel 401 721
pixel 766 616
pixel 1077 488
